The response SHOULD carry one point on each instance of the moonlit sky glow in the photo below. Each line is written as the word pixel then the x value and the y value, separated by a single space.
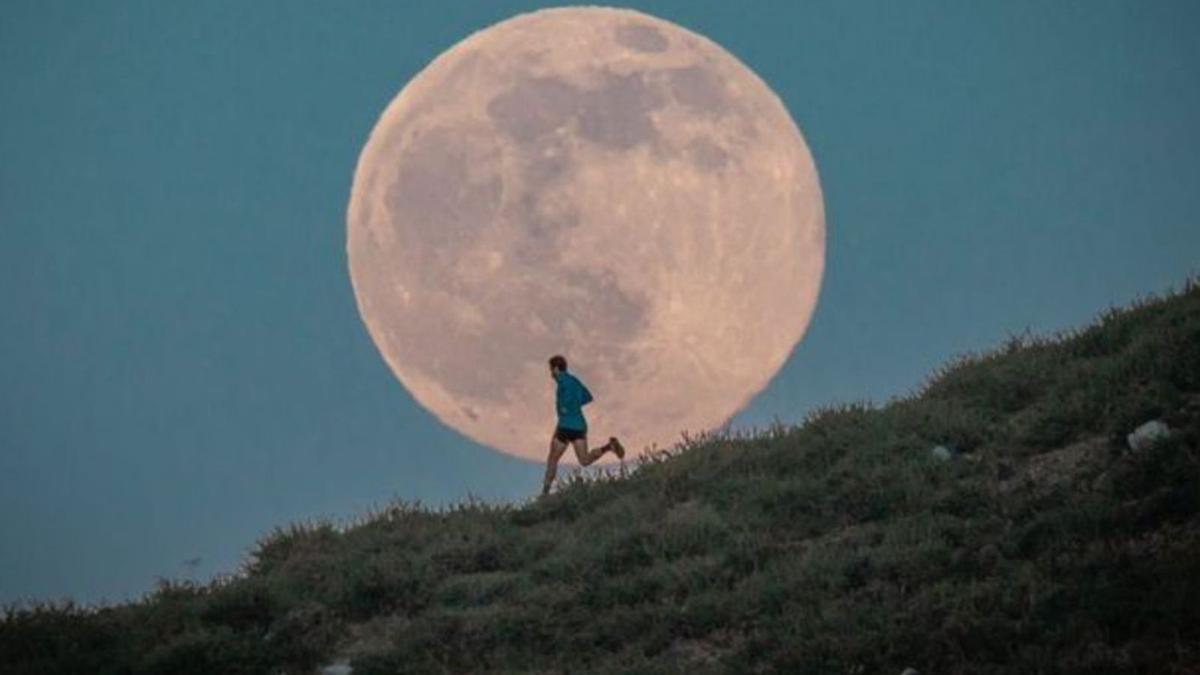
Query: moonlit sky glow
pixel 182 364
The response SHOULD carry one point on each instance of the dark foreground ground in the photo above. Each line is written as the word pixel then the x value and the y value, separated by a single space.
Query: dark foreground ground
pixel 1037 542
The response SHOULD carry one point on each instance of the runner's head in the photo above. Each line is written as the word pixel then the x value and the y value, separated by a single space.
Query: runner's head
pixel 557 362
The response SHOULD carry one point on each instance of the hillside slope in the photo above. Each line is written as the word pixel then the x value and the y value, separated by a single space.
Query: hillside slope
pixel 1040 543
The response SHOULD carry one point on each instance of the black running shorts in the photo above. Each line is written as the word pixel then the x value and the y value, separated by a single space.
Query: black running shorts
pixel 568 435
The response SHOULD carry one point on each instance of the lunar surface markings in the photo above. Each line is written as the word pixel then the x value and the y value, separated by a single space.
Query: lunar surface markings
pixel 436 195
pixel 533 107
pixel 641 38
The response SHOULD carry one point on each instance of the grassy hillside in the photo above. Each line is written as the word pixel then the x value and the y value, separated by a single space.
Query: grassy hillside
pixel 840 545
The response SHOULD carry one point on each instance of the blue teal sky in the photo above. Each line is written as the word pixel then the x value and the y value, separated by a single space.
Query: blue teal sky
pixel 182 364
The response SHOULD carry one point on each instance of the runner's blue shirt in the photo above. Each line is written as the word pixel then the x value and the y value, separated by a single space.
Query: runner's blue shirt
pixel 570 397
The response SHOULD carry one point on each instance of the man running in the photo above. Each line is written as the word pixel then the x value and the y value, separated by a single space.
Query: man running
pixel 570 397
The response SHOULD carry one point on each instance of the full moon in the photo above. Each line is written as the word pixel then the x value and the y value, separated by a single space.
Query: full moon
pixel 597 183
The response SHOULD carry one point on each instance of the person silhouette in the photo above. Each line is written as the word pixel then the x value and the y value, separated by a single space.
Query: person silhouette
pixel 569 398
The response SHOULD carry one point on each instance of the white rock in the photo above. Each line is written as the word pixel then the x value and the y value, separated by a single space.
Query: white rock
pixel 1146 435
pixel 941 452
pixel 337 668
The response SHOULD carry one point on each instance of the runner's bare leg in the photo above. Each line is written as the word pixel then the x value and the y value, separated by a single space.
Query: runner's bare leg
pixel 582 453
pixel 557 448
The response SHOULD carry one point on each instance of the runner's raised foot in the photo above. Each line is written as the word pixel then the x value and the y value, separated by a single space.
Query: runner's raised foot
pixel 617 448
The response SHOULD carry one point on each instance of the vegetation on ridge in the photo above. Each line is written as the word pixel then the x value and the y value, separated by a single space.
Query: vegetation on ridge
pixel 840 545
